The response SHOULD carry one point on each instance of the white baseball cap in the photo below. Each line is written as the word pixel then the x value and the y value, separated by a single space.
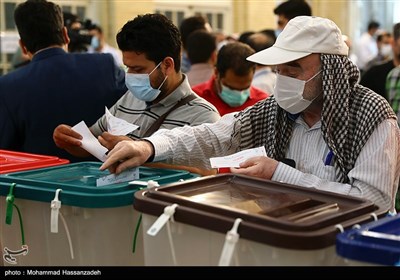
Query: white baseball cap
pixel 302 36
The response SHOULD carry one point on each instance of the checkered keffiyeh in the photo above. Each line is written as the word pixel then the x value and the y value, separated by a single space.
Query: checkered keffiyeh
pixel 350 114
pixel 393 89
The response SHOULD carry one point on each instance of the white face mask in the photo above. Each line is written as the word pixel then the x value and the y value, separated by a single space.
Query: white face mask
pixel 386 50
pixel 288 93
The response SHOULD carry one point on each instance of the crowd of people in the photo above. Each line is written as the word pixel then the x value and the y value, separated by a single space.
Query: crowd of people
pixel 194 95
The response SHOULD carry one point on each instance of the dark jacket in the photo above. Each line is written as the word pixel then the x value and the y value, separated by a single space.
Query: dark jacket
pixel 55 88
pixel 375 77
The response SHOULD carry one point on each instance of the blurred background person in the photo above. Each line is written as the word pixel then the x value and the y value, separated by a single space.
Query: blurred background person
pixel 78 33
pixel 187 26
pixel 244 36
pixel 222 39
pixel 375 77
pixel 393 90
pixel 365 47
pixel 264 76
pixel 384 44
pixel 230 89
pixel 99 45
pixel 201 49
pixel 270 33
pixel 290 9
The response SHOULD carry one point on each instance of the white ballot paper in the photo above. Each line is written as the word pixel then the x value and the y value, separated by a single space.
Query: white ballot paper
pixel 125 176
pixel 117 126
pixel 93 146
pixel 89 142
pixel 235 159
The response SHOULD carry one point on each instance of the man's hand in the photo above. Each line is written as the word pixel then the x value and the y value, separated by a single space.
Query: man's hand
pixel 65 137
pixel 109 141
pixel 127 154
pixel 262 167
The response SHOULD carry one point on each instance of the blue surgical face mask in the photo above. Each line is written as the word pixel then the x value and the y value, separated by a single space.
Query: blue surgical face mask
pixel 95 42
pixel 234 98
pixel 139 85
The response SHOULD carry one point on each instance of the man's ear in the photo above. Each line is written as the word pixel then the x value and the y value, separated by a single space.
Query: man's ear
pixel 216 71
pixel 169 65
pixel 65 35
pixel 25 52
pixel 213 57
pixel 23 47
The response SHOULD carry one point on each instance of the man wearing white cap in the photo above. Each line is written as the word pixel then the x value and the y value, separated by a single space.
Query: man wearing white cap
pixel 341 137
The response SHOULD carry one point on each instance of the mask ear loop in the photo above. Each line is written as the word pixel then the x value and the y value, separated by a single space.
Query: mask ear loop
pixel 164 78
pixel 155 68
pixel 315 75
pixel 163 82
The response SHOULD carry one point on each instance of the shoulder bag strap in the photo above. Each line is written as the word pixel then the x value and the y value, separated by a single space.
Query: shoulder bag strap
pixel 156 125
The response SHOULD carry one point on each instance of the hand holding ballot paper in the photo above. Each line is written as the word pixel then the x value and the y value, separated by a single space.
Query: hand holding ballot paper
pixel 92 145
pixel 115 126
pixel 89 142
pixel 80 142
pixel 251 162
pixel 236 159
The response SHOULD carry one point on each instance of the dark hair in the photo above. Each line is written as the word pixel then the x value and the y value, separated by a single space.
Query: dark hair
pixel 270 33
pixel 396 31
pixel 260 41
pixel 97 28
pixel 39 24
pixel 373 25
pixel 69 19
pixel 233 56
pixel 200 46
pixel 154 35
pixel 293 8
pixel 383 36
pixel 244 36
pixel 190 24
pixel 78 34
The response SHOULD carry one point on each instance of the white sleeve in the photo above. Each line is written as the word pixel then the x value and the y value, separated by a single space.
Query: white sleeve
pixel 194 145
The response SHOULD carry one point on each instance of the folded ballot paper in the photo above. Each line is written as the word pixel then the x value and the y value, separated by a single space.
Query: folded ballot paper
pixel 117 126
pixel 235 160
pixel 125 176
pixel 90 143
